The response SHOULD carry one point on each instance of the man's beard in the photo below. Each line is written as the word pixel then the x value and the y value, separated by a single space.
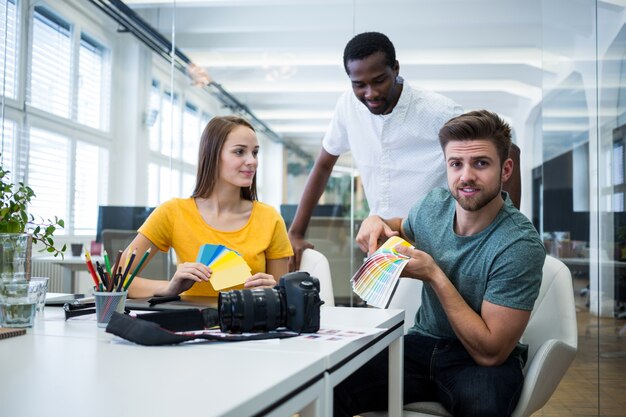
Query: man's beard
pixel 475 203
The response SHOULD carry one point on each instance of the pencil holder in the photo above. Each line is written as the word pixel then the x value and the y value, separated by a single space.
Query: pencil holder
pixel 106 304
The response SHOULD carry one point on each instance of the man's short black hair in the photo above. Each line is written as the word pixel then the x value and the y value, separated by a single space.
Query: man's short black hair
pixel 366 44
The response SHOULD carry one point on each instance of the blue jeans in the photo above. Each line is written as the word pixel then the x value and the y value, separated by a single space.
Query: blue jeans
pixel 435 370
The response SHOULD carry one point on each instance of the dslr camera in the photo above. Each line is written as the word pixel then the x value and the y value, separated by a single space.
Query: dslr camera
pixel 294 303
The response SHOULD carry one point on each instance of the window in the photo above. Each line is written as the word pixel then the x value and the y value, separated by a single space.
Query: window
pixel 92 82
pixel 170 126
pixel 191 133
pixel 79 90
pixel 175 124
pixel 89 159
pixel 49 175
pixel 56 140
pixel 8 56
pixel 7 139
pixel 153 116
pixel 153 186
pixel 50 82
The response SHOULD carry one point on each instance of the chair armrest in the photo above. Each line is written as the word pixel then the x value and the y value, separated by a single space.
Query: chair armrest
pixel 543 375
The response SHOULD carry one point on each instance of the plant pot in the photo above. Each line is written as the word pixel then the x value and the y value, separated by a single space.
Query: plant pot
pixel 15 257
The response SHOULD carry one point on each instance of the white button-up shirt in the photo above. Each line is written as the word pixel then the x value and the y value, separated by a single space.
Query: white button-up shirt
pixel 398 154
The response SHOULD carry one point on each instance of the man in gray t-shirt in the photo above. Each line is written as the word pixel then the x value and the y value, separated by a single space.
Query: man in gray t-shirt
pixel 481 263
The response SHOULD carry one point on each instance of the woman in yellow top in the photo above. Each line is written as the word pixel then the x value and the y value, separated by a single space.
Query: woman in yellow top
pixel 223 209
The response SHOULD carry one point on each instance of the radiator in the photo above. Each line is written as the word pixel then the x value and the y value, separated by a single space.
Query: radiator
pixel 45 268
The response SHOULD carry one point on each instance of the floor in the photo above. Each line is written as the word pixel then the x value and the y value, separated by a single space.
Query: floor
pixel 600 358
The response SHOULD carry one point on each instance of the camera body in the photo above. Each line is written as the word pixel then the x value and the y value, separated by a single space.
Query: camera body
pixel 302 294
pixel 294 303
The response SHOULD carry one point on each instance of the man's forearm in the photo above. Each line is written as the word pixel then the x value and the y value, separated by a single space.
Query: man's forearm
pixel 313 190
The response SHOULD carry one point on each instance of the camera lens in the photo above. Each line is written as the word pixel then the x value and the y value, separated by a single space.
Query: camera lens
pixel 261 309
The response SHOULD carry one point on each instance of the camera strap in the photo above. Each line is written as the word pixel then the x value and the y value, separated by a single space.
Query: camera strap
pixel 178 326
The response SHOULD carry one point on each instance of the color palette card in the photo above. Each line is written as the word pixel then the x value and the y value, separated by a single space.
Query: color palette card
pixel 229 269
pixel 376 280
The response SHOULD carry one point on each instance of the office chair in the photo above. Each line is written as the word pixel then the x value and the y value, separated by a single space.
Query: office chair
pixel 160 266
pixel 551 335
pixel 316 264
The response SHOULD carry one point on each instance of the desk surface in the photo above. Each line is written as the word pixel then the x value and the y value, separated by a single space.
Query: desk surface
pixel 60 367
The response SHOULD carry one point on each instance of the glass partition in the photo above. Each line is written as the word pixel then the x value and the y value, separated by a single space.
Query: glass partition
pixel 578 201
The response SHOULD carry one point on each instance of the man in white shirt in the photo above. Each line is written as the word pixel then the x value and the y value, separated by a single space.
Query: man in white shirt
pixel 391 129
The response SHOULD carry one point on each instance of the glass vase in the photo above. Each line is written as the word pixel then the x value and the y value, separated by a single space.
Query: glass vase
pixel 15 256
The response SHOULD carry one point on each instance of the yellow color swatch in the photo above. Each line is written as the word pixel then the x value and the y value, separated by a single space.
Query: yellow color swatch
pixel 229 270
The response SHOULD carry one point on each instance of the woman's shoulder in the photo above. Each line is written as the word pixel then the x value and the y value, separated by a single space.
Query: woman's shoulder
pixel 264 207
pixel 264 210
pixel 177 203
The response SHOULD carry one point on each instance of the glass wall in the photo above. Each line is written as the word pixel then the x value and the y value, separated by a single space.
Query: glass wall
pixel 578 191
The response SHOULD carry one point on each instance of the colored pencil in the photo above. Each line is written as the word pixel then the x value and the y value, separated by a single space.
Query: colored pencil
pixel 128 265
pixel 107 263
pixel 136 271
pixel 91 269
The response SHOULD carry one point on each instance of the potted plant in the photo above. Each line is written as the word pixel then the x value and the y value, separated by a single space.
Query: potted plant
pixel 15 220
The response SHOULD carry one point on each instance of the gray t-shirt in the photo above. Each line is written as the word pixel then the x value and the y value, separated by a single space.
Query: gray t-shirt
pixel 501 264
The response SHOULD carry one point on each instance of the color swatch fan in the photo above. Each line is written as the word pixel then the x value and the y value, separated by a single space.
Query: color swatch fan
pixel 228 268
pixel 376 280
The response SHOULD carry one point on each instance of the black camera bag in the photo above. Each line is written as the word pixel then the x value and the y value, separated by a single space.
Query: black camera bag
pixel 160 328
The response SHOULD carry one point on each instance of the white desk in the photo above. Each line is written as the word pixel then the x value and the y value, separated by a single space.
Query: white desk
pixel 61 367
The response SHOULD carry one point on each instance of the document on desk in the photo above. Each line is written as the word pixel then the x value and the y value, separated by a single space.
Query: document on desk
pixel 341 334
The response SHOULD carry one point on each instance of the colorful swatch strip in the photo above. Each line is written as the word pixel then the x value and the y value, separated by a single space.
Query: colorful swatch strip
pixel 376 280
pixel 229 269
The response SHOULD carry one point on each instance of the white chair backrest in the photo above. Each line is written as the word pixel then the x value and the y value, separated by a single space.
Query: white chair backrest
pixel 316 264
pixel 554 313
pixel 551 334
pixel 408 296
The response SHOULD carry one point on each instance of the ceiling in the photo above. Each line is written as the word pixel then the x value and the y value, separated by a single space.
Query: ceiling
pixel 283 58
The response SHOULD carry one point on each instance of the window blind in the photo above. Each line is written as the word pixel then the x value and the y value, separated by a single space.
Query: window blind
pixel 6 147
pixel 88 163
pixel 91 93
pixel 170 126
pixel 191 133
pixel 189 183
pixel 49 174
pixel 8 48
pixel 51 68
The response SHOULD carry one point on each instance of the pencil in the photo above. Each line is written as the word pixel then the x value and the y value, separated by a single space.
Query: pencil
pixel 128 265
pixel 107 263
pixel 90 268
pixel 118 258
pixel 136 271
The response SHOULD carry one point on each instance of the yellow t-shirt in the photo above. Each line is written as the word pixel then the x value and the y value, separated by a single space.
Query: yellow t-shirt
pixel 178 224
